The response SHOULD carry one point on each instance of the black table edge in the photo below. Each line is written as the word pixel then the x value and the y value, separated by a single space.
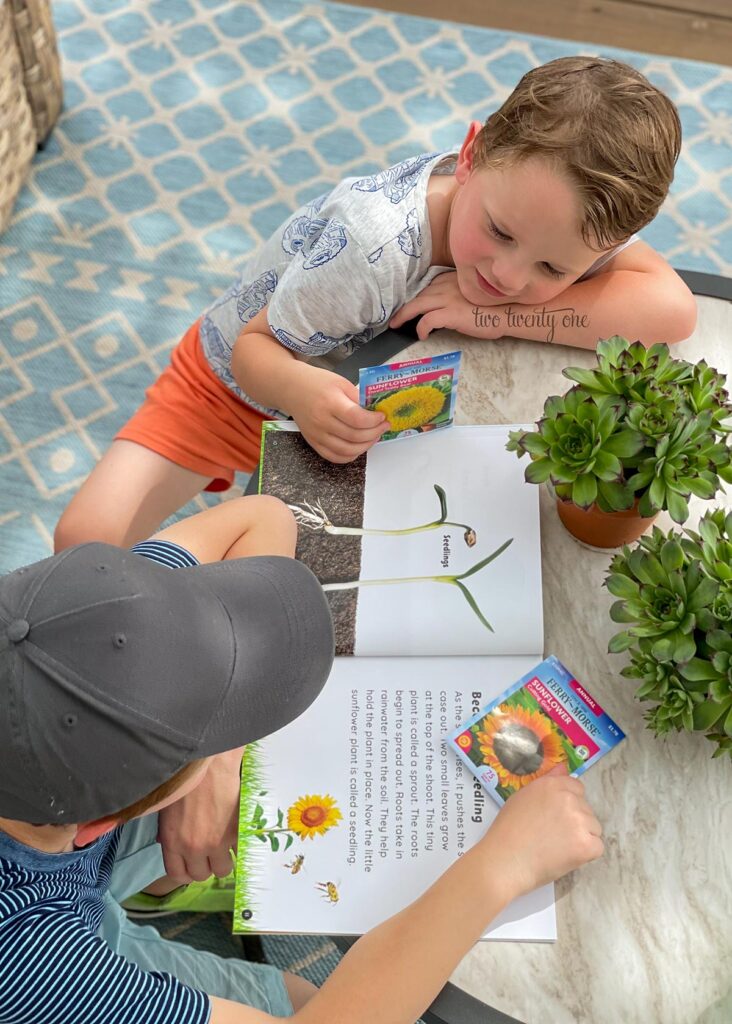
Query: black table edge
pixel 712 285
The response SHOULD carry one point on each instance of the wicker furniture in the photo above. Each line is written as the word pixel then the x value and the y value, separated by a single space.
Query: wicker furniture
pixel 30 90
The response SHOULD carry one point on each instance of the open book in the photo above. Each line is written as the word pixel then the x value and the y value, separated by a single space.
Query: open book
pixel 429 552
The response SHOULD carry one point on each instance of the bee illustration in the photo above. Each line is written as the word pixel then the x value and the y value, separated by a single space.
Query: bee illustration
pixel 329 891
pixel 297 862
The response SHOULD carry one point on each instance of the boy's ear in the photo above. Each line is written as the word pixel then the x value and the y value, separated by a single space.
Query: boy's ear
pixel 92 830
pixel 464 164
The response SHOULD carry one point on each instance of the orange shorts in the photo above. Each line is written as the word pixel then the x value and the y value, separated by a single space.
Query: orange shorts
pixel 190 417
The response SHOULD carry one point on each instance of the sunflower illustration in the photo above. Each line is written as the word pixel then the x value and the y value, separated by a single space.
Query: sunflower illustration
pixel 412 407
pixel 520 745
pixel 313 815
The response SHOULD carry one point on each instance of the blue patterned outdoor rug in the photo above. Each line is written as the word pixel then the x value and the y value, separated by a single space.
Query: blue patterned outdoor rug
pixel 312 957
pixel 191 129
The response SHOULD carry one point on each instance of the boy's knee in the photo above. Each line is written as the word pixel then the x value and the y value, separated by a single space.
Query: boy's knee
pixel 79 526
pixel 67 532
pixel 279 514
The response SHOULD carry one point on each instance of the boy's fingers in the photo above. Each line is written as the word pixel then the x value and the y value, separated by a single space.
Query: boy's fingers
pixel 358 418
pixel 339 453
pixel 333 447
pixel 364 435
pixel 199 868
pixel 402 315
pixel 559 769
pixel 593 825
pixel 175 866
pixel 356 435
pixel 596 848
pixel 428 301
pixel 220 862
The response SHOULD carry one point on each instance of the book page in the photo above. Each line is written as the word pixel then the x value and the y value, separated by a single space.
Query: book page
pixel 426 546
pixel 353 810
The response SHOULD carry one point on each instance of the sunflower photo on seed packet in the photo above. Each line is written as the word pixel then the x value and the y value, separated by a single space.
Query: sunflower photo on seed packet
pixel 416 396
pixel 545 719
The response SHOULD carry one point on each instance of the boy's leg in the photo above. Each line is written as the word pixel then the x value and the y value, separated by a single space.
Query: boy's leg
pixel 257 985
pixel 139 861
pixel 126 497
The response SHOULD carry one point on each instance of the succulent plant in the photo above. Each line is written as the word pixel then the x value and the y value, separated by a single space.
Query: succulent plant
pixel 684 461
pixel 711 542
pixel 628 369
pixel 641 426
pixel 659 600
pixel 675 599
pixel 579 447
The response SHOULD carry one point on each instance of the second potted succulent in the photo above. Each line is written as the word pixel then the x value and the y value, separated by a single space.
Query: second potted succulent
pixel 674 604
pixel 639 433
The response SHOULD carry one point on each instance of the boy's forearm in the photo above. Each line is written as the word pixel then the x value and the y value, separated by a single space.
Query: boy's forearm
pixel 268 372
pixel 395 971
pixel 650 307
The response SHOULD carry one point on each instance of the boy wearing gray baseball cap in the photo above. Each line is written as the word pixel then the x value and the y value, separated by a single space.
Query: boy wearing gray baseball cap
pixel 120 681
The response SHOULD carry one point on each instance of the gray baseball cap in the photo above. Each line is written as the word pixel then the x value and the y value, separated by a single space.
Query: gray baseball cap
pixel 116 671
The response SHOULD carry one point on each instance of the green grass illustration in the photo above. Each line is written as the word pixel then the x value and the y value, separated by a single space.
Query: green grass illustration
pixel 252 789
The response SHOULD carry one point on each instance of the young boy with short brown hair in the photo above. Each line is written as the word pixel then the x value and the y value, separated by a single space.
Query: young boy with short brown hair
pixel 528 230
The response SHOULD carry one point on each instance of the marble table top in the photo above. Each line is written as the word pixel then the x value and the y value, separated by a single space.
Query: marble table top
pixel 645 933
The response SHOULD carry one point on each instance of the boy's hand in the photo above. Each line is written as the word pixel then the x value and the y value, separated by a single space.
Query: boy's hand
pixel 442 304
pixel 332 422
pixel 544 831
pixel 198 832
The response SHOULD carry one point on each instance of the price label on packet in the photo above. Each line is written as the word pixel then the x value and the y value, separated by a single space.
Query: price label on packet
pixel 416 396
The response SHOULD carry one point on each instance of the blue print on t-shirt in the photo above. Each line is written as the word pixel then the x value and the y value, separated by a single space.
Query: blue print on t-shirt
pixel 218 352
pixel 330 242
pixel 395 182
pixel 304 227
pixel 256 296
pixel 410 239
pixel 300 232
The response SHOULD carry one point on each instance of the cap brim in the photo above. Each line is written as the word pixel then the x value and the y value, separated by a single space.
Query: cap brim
pixel 284 645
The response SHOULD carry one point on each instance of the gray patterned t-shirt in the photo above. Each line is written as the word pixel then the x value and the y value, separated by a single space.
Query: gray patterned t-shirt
pixel 335 272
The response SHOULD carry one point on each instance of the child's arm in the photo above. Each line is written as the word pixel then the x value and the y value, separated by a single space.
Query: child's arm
pixel 638 296
pixel 198 832
pixel 323 404
pixel 394 972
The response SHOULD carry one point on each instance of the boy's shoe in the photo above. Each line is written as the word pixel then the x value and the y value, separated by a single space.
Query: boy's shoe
pixel 212 896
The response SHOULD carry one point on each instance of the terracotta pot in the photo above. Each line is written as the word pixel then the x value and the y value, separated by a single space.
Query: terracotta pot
pixel 603 529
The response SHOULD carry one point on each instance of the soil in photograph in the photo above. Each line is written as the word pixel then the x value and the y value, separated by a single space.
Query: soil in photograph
pixel 292 471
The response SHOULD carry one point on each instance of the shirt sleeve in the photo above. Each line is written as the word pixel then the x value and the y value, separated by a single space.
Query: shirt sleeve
pixel 606 257
pixel 328 295
pixel 55 971
pixel 166 552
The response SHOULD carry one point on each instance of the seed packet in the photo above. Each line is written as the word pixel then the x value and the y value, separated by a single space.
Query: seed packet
pixel 415 396
pixel 544 719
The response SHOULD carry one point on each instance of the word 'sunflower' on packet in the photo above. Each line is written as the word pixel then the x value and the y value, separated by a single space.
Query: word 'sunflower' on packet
pixel 416 396
pixel 545 719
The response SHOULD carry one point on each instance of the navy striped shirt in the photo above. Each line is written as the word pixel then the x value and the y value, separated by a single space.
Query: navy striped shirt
pixel 167 553
pixel 54 967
